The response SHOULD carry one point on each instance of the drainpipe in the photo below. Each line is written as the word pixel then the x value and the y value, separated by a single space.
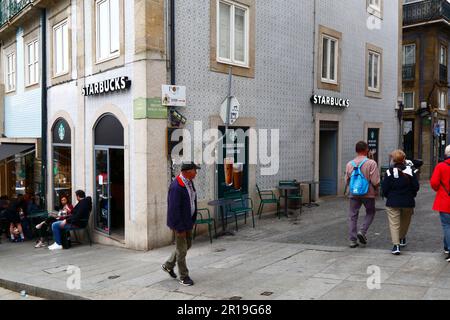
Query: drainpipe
pixel 44 105
pixel 172 63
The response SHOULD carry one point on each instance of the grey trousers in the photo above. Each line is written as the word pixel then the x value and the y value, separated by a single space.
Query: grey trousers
pixel 355 206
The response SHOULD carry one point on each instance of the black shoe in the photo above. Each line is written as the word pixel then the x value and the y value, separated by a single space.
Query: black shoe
pixel 353 244
pixel 403 242
pixel 170 272
pixel 362 238
pixel 446 251
pixel 187 282
pixel 396 250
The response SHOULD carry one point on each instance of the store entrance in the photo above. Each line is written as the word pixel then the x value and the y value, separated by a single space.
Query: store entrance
pixel 328 163
pixel 110 178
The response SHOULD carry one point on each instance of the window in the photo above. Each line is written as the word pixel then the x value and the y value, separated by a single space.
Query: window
pixel 408 101
pixel 61 48
pixel 108 29
pixel 409 54
pixel 442 100
pixel 32 63
pixel 330 54
pixel 443 55
pixel 374 71
pixel 375 4
pixel 11 72
pixel 232 33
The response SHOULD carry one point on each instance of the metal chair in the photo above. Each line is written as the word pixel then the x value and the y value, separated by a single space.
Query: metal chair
pixel 240 207
pixel 202 220
pixel 267 197
pixel 295 195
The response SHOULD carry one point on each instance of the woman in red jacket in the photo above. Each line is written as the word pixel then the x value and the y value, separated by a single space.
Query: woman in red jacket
pixel 440 182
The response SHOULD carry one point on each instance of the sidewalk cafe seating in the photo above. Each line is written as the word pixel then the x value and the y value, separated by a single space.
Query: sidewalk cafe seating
pixel 240 207
pixel 267 197
pixel 204 217
pixel 86 230
pixel 294 195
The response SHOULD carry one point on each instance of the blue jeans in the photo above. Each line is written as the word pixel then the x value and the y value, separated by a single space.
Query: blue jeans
pixel 445 220
pixel 56 228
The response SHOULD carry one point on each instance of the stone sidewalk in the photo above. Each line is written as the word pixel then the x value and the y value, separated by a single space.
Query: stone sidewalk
pixel 279 259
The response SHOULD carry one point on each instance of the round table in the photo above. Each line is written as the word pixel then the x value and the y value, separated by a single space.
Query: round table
pixel 221 203
pixel 286 188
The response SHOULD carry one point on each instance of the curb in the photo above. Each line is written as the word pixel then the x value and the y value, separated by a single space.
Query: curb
pixel 37 291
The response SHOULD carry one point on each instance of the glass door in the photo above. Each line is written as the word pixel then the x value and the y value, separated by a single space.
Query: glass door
pixel 102 191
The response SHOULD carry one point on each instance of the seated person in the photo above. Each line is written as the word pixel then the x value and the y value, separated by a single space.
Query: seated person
pixel 14 215
pixel 43 228
pixel 78 219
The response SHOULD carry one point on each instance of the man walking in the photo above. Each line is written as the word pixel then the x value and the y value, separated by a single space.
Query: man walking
pixel 362 169
pixel 181 217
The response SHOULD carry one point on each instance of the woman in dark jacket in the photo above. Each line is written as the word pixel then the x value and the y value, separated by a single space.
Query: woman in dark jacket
pixel 400 187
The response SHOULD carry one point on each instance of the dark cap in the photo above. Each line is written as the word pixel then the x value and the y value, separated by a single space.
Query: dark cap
pixel 189 166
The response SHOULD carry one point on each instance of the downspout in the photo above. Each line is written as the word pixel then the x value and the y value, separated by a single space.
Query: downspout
pixel 172 64
pixel 313 92
pixel 44 125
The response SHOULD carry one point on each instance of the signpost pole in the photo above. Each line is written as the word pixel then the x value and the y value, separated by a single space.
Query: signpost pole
pixel 230 80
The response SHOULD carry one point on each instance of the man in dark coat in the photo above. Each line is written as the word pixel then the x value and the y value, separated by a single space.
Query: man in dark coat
pixel 181 217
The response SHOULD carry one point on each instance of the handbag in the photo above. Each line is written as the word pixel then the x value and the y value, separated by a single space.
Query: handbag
pixel 65 239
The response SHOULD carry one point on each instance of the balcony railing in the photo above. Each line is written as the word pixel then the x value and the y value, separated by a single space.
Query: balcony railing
pixel 443 73
pixel 10 8
pixel 425 11
pixel 409 72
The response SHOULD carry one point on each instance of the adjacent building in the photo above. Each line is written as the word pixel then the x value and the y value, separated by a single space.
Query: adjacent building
pixel 320 75
pixel 426 38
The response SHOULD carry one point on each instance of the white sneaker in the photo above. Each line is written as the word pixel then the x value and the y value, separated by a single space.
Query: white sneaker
pixel 52 246
pixel 40 244
pixel 56 247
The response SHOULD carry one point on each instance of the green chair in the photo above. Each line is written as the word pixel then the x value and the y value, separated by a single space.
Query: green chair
pixel 295 195
pixel 267 197
pixel 201 219
pixel 240 207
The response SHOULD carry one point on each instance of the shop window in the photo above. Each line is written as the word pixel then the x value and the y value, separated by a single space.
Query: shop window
pixel 62 162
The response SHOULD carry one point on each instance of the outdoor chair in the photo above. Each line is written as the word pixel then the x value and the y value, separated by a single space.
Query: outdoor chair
pixel 267 197
pixel 240 207
pixel 294 195
pixel 86 229
pixel 204 217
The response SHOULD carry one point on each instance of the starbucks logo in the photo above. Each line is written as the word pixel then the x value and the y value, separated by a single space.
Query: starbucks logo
pixel 61 132
pixel 373 135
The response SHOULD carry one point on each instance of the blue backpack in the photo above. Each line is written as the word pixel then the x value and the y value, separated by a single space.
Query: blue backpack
pixel 359 185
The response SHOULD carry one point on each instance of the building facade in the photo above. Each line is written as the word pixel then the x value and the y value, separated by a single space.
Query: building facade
pixel 426 35
pixel 309 78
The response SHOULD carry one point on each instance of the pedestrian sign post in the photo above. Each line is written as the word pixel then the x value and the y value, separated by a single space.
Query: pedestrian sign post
pixel 230 114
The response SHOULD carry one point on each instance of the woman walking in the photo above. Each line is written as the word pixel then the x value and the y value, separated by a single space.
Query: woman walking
pixel 440 182
pixel 400 187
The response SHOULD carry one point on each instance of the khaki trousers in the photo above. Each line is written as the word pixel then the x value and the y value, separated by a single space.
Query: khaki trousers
pixel 183 244
pixel 399 222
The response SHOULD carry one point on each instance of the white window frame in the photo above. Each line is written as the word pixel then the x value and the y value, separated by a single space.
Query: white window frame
pixel 328 79
pixel 66 59
pixel 443 101
pixel 404 53
pixel 232 60
pixel 375 5
pixel 413 101
pixel 33 62
pixel 443 48
pixel 11 73
pixel 112 54
pixel 369 87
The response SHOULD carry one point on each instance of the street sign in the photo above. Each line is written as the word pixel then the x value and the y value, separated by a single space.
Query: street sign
pixel 233 115
pixel 173 96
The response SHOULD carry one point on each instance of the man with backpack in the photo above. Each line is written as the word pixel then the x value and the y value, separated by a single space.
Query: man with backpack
pixel 363 180
pixel 440 182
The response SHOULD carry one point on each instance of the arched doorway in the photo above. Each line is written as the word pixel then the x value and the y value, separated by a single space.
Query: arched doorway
pixel 109 176
pixel 62 161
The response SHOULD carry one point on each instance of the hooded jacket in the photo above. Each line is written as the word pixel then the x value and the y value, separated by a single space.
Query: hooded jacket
pixel 400 188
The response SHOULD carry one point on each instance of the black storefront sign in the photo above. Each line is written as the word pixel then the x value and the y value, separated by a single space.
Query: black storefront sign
pixel 62 133
pixel 330 101
pixel 374 142
pixel 106 86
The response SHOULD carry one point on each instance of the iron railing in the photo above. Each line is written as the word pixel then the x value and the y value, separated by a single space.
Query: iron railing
pixel 443 73
pixel 11 8
pixel 409 72
pixel 425 11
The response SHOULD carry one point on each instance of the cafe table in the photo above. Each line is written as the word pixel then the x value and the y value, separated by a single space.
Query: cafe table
pixel 310 204
pixel 286 189
pixel 221 203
